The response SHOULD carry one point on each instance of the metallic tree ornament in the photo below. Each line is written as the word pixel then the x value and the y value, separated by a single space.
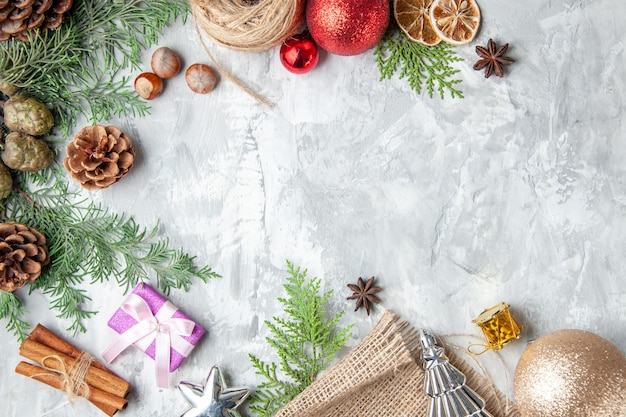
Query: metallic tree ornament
pixel 347 27
pixel 213 399
pixel 299 54
pixel 498 326
pixel 445 385
pixel 571 373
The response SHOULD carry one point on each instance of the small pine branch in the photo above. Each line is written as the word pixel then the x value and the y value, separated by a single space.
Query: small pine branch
pixel 86 241
pixel 424 66
pixel 77 70
pixel 12 310
pixel 306 342
pixel 274 393
pixel 68 302
pixel 75 67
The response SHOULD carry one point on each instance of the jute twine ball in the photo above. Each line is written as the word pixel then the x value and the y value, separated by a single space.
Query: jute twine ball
pixel 249 25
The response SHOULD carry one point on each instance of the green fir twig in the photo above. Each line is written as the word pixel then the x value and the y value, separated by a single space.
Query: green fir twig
pixel 75 68
pixel 424 66
pixel 306 343
pixel 12 310
pixel 86 241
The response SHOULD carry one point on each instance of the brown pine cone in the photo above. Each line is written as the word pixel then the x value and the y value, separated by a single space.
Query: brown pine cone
pixel 23 254
pixel 99 156
pixel 17 16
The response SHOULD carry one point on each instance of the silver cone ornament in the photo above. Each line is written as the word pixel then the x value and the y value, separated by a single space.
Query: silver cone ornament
pixel 445 385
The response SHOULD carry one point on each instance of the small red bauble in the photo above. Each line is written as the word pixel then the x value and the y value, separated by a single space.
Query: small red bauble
pixel 347 27
pixel 299 54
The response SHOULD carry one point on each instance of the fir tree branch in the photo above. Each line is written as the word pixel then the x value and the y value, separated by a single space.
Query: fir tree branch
pixel 68 301
pixel 86 241
pixel 11 308
pixel 423 66
pixel 75 68
pixel 306 342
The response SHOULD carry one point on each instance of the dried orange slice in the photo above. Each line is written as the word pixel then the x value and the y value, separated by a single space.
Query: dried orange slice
pixel 413 17
pixel 455 21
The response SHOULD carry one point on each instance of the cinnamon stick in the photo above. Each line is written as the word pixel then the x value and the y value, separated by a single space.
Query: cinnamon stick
pixel 96 378
pixel 41 334
pixel 105 401
pixel 106 409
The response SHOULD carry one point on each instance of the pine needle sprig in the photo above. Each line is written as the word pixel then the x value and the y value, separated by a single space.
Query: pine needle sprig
pixel 75 67
pixel 306 342
pixel 12 310
pixel 88 242
pixel 274 393
pixel 68 301
pixel 122 30
pixel 428 67
pixel 78 70
pixel 52 51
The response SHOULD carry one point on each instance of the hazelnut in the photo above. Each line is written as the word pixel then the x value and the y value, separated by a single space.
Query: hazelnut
pixel 148 85
pixel 201 78
pixel 165 62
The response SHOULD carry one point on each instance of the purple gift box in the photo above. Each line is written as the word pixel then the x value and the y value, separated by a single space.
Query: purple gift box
pixel 121 322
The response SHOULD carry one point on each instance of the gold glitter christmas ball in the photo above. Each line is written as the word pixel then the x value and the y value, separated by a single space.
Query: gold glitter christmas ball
pixel 571 373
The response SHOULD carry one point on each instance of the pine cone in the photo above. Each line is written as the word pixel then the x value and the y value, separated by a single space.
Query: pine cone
pixel 26 153
pixel 6 88
pixel 23 254
pixel 17 16
pixel 99 156
pixel 6 182
pixel 27 115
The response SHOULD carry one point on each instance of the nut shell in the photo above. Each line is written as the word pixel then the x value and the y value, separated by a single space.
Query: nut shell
pixel 165 63
pixel 201 78
pixel 148 85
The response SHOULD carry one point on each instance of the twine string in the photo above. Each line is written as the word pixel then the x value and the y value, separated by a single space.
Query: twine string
pixel 230 76
pixel 247 25
pixel 73 378
pixel 477 353
pixel 474 356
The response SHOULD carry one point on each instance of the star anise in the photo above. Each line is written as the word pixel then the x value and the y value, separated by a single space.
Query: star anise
pixel 363 293
pixel 492 59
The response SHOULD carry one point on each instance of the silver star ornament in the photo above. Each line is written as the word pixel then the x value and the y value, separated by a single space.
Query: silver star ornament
pixel 213 399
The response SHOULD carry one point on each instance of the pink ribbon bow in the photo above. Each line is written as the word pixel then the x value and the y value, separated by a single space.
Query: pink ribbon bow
pixel 165 330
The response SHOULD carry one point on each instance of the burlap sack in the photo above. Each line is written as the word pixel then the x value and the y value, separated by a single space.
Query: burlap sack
pixel 381 377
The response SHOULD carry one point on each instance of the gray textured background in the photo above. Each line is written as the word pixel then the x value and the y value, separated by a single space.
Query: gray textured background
pixel 515 193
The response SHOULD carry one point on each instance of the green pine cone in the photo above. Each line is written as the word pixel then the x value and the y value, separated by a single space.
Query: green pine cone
pixel 27 115
pixel 26 153
pixel 8 89
pixel 6 182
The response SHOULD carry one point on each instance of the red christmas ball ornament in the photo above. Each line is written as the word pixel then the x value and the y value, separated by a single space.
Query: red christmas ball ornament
pixel 299 54
pixel 347 27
